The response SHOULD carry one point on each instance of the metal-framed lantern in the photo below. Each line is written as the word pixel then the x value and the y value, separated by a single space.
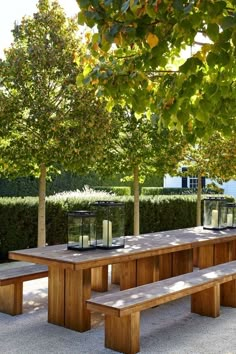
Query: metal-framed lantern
pixel 231 215
pixel 81 230
pixel 215 213
pixel 110 224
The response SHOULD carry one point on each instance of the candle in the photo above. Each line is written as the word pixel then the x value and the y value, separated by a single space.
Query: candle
pixel 84 241
pixel 229 219
pixel 107 232
pixel 214 218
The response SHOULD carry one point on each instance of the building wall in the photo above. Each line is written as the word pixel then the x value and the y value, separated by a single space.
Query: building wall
pixel 176 182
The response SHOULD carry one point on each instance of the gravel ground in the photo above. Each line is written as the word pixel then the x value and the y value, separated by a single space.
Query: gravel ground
pixel 169 328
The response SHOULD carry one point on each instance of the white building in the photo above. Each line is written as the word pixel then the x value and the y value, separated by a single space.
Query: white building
pixel 191 182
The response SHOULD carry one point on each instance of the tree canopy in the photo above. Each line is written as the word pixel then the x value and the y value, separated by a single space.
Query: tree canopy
pixel 46 121
pixel 175 58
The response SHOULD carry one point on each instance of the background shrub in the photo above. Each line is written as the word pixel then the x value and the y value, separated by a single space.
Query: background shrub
pixel 177 191
pixel 18 216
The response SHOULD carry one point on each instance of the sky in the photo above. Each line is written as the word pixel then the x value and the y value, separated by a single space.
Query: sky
pixel 14 10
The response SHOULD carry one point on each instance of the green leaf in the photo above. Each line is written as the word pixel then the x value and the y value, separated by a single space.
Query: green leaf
pixel 81 18
pixel 212 31
pixel 191 65
pixel 178 5
pixel 212 59
pixel 228 22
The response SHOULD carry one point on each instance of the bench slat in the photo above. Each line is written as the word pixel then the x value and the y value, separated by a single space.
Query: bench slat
pixel 140 298
pixel 24 273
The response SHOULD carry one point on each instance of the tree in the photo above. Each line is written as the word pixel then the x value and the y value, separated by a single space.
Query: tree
pixel 138 149
pixel 215 159
pixel 133 53
pixel 47 123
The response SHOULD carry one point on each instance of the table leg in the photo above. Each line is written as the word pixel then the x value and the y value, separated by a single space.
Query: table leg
pixel 206 256
pixel 99 278
pixel 165 266
pixel 56 296
pixel 182 262
pixel 115 273
pixel 77 291
pixel 147 270
pixel 68 291
pixel 222 252
pixel 195 256
pixel 128 275
pixel 233 250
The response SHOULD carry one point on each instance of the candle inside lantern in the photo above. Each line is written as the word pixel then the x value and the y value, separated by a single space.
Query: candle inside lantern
pixel 214 218
pixel 84 241
pixel 229 219
pixel 107 232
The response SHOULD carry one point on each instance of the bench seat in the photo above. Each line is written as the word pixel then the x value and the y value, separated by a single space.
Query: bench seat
pixel 208 288
pixel 11 286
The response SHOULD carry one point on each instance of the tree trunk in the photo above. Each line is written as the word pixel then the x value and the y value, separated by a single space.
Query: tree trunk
pixel 42 207
pixel 199 194
pixel 136 201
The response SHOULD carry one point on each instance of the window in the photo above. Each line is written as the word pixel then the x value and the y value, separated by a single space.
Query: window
pixel 193 182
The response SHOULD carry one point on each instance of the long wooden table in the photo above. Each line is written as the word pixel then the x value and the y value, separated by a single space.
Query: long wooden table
pixel 145 258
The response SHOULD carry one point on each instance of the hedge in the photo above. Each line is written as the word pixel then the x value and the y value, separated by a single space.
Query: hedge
pixel 175 191
pixel 115 190
pixel 18 217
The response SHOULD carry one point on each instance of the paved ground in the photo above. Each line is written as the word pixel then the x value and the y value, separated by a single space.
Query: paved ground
pixel 170 328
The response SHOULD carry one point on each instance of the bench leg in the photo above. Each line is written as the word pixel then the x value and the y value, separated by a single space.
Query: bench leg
pixel 99 278
pixel 207 302
pixel 122 334
pixel 228 294
pixel 11 298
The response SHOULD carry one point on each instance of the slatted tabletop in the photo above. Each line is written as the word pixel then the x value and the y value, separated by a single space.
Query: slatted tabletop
pixel 136 247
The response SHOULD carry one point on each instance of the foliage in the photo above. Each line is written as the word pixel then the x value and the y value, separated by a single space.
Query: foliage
pixel 214 158
pixel 114 190
pixel 85 193
pixel 44 117
pixel 136 141
pixel 178 191
pixel 175 58
pixel 18 216
pixel 46 122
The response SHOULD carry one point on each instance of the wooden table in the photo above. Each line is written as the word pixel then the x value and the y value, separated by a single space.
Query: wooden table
pixel 145 258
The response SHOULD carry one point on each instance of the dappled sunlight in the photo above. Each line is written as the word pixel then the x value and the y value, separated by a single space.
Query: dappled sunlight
pixel 213 275
pixel 35 295
pixel 178 286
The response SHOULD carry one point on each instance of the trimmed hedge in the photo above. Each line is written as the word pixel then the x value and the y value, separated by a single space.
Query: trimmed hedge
pixel 120 191
pixel 18 217
pixel 175 191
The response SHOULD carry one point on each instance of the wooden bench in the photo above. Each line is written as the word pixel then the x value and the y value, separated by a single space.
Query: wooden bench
pixel 11 286
pixel 208 288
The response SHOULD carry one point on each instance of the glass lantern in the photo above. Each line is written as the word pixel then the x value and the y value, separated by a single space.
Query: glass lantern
pixel 215 213
pixel 110 225
pixel 231 215
pixel 81 230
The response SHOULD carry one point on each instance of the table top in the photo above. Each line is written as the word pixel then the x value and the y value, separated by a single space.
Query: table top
pixel 136 247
